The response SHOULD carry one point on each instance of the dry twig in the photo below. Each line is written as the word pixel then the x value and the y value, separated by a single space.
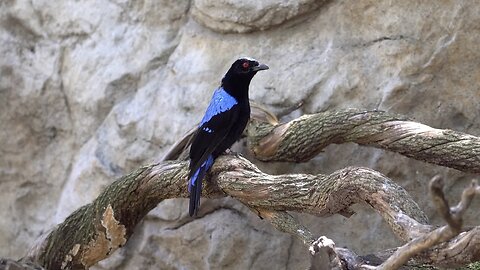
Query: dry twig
pixel 453 217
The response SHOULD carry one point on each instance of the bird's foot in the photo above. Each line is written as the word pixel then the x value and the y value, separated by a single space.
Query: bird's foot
pixel 233 153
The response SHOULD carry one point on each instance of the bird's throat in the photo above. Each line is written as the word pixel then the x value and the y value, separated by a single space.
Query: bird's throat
pixel 237 86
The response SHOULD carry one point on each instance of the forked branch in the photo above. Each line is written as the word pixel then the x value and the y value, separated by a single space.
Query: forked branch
pixel 453 248
pixel 453 217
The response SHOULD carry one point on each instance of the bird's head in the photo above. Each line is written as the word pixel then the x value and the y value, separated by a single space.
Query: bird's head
pixel 238 77
pixel 247 67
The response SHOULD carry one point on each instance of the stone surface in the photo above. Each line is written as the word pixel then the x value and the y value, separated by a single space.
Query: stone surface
pixel 228 16
pixel 89 90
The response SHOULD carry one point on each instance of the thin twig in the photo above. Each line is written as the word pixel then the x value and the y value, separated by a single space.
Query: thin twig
pixel 453 217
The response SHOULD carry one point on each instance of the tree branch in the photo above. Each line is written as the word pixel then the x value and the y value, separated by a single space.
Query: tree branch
pixel 94 231
pixel 453 217
pixel 454 253
pixel 321 195
pixel 303 138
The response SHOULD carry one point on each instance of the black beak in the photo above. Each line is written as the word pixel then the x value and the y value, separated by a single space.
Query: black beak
pixel 260 67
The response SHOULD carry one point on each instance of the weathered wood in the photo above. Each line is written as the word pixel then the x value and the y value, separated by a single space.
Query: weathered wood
pixel 94 231
pixel 303 138
pixel 453 216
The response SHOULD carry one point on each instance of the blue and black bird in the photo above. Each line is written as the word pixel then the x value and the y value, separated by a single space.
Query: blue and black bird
pixel 223 124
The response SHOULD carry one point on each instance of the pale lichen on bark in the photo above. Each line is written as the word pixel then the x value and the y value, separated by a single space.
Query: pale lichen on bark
pixel 69 257
pixel 106 242
pixel 115 232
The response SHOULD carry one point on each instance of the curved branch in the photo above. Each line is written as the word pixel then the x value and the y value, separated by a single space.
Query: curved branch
pixel 453 216
pixel 454 248
pixel 303 138
pixel 321 195
pixel 94 231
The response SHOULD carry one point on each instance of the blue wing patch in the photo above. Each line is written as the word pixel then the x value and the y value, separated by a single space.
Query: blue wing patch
pixel 221 102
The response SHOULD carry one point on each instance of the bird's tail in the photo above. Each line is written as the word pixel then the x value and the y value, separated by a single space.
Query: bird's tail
pixel 195 186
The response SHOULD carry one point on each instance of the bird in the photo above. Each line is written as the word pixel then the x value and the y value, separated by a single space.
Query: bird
pixel 222 125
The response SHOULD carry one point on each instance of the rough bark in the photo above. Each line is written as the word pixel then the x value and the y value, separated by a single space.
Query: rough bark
pixel 303 138
pixel 97 229
pixel 453 216
pixel 94 231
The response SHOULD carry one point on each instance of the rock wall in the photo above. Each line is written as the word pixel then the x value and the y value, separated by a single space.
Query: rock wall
pixel 89 90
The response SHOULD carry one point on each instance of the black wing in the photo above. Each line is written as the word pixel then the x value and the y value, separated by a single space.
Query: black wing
pixel 210 135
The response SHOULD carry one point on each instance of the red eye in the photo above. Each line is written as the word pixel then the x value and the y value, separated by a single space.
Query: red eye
pixel 245 65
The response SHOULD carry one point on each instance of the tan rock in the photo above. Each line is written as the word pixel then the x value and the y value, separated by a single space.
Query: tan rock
pixel 90 90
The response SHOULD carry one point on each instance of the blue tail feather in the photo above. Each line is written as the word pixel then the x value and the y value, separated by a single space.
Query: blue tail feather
pixel 195 185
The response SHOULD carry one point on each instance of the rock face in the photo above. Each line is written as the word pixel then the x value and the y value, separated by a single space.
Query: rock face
pixel 89 90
